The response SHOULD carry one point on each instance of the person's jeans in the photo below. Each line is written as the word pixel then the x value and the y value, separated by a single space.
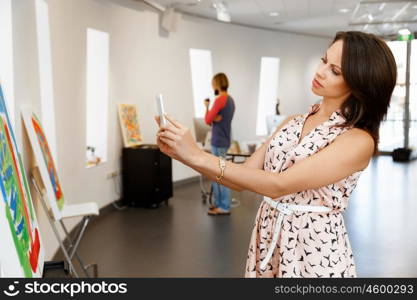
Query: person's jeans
pixel 220 192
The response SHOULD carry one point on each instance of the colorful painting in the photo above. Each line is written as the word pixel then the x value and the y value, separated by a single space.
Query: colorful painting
pixel 129 124
pixel 45 162
pixel 49 162
pixel 21 251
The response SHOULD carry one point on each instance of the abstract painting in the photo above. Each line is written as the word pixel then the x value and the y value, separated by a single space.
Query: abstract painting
pixel 129 124
pixel 21 249
pixel 45 161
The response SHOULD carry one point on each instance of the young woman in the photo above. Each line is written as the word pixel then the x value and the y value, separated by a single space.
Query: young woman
pixel 308 168
pixel 219 117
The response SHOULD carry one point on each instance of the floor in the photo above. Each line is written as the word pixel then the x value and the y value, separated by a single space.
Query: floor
pixel 180 240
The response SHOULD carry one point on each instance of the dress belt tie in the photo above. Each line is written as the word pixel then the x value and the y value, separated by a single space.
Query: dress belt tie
pixel 286 209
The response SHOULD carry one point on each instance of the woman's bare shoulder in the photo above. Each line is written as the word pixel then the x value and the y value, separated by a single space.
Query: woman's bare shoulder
pixel 357 137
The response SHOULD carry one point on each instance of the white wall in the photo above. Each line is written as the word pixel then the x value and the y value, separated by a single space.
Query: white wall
pixel 143 62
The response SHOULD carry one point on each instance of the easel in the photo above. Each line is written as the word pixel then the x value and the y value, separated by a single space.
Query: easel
pixel 71 250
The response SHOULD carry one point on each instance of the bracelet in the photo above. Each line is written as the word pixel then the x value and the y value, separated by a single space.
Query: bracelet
pixel 222 166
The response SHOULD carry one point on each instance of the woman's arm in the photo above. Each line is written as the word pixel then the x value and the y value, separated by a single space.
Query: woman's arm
pixel 218 105
pixel 350 152
pixel 256 160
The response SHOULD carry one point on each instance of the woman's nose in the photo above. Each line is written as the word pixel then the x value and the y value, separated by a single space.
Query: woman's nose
pixel 321 72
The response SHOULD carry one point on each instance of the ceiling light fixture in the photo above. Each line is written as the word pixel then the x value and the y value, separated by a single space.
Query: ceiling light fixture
pixel 382 6
pixel 370 17
pixel 344 10
pixel 404 31
pixel 274 14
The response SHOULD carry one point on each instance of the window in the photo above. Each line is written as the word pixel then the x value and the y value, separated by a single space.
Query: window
pixel 6 56
pixel 392 129
pixel 201 75
pixel 413 95
pixel 45 74
pixel 97 95
pixel 268 91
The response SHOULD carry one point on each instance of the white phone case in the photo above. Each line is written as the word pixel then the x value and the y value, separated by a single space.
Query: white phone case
pixel 161 110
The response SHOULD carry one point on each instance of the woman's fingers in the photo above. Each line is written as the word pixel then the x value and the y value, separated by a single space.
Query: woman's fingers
pixel 169 135
pixel 161 129
pixel 174 122
pixel 167 141
pixel 171 128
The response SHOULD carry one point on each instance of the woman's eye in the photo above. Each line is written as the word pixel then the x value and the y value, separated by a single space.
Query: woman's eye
pixel 324 60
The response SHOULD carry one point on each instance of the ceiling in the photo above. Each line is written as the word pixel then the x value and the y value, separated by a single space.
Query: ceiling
pixel 312 17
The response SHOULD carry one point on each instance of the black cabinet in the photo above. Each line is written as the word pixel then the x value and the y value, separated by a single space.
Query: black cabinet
pixel 146 176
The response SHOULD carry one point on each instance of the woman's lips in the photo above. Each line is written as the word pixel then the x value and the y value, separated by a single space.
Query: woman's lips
pixel 316 83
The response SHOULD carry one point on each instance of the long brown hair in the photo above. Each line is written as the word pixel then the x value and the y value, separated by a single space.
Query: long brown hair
pixel 370 71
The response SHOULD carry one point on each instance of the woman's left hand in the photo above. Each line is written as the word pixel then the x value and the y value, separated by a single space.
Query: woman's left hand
pixel 176 141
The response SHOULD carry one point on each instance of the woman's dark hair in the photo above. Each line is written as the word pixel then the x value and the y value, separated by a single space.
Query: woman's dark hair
pixel 370 71
pixel 221 81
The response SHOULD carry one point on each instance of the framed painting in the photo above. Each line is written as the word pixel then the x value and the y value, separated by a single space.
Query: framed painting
pixel 129 125
pixel 45 162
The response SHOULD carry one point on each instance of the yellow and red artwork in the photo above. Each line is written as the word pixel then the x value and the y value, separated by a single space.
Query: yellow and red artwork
pixel 129 124
pixel 49 162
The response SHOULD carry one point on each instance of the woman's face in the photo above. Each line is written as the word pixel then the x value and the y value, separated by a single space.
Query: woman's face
pixel 328 80
pixel 214 85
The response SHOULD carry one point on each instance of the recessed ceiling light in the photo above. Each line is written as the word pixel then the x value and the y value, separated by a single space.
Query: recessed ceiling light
pixel 404 31
pixel 414 6
pixel 274 14
pixel 344 10
pixel 370 17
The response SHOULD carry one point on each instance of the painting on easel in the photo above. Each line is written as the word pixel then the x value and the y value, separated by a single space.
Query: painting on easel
pixel 45 161
pixel 129 125
pixel 21 248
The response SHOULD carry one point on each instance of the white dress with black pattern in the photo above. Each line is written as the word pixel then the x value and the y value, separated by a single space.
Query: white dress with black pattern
pixel 310 244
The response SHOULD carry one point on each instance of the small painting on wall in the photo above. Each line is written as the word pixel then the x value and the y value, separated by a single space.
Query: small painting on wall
pixel 129 125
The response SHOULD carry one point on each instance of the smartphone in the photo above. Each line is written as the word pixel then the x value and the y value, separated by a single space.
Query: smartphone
pixel 161 110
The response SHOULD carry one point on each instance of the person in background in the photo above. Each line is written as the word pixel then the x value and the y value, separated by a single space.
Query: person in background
pixel 220 118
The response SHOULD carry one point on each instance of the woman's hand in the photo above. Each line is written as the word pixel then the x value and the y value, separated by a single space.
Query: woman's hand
pixel 207 103
pixel 176 141
pixel 218 118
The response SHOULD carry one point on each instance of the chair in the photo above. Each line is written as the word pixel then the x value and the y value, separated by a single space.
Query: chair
pixel 84 210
